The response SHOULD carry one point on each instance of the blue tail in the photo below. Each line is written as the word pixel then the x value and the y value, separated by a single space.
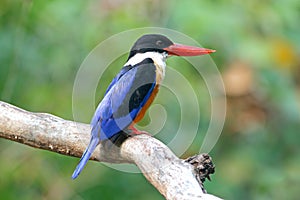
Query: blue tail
pixel 85 157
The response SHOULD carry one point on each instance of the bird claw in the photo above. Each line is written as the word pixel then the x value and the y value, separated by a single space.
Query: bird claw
pixel 138 132
pixel 132 131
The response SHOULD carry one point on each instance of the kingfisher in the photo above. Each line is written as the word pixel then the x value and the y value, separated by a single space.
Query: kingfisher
pixel 133 89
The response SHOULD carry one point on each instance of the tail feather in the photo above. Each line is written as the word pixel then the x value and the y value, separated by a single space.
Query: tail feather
pixel 85 157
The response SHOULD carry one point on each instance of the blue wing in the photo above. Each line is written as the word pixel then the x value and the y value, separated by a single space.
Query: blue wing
pixel 118 76
pixel 124 98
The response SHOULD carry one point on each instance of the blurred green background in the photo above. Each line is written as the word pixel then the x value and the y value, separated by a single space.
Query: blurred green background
pixel 43 43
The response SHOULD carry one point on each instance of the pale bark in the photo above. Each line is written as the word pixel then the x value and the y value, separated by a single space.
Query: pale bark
pixel 173 178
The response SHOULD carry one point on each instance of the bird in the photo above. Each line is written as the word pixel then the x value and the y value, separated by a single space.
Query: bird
pixel 132 90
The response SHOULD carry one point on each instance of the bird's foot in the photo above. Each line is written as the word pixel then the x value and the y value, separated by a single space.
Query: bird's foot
pixel 132 131
pixel 203 167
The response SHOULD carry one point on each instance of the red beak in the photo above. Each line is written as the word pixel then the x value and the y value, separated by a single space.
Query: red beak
pixel 184 50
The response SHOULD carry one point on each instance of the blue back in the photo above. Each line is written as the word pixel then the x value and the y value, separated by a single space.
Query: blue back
pixel 124 98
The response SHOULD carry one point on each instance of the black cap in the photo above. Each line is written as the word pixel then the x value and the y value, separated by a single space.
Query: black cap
pixel 150 42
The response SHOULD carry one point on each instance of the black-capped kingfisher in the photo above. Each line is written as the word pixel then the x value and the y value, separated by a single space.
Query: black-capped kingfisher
pixel 132 91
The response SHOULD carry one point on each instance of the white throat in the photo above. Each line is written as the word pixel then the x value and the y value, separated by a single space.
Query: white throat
pixel 158 58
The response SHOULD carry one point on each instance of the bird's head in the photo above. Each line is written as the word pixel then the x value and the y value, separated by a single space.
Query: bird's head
pixel 160 43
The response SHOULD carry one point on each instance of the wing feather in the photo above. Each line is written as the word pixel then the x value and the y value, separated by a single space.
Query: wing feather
pixel 124 99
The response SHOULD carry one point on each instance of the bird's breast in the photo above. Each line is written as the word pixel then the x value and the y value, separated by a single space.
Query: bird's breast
pixel 160 66
pixel 160 74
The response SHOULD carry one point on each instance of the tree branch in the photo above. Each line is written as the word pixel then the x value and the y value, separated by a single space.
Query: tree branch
pixel 173 178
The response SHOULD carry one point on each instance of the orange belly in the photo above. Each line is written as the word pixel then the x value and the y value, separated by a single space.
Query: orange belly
pixel 141 114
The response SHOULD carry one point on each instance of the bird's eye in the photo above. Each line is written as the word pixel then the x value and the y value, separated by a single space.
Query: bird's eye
pixel 159 42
